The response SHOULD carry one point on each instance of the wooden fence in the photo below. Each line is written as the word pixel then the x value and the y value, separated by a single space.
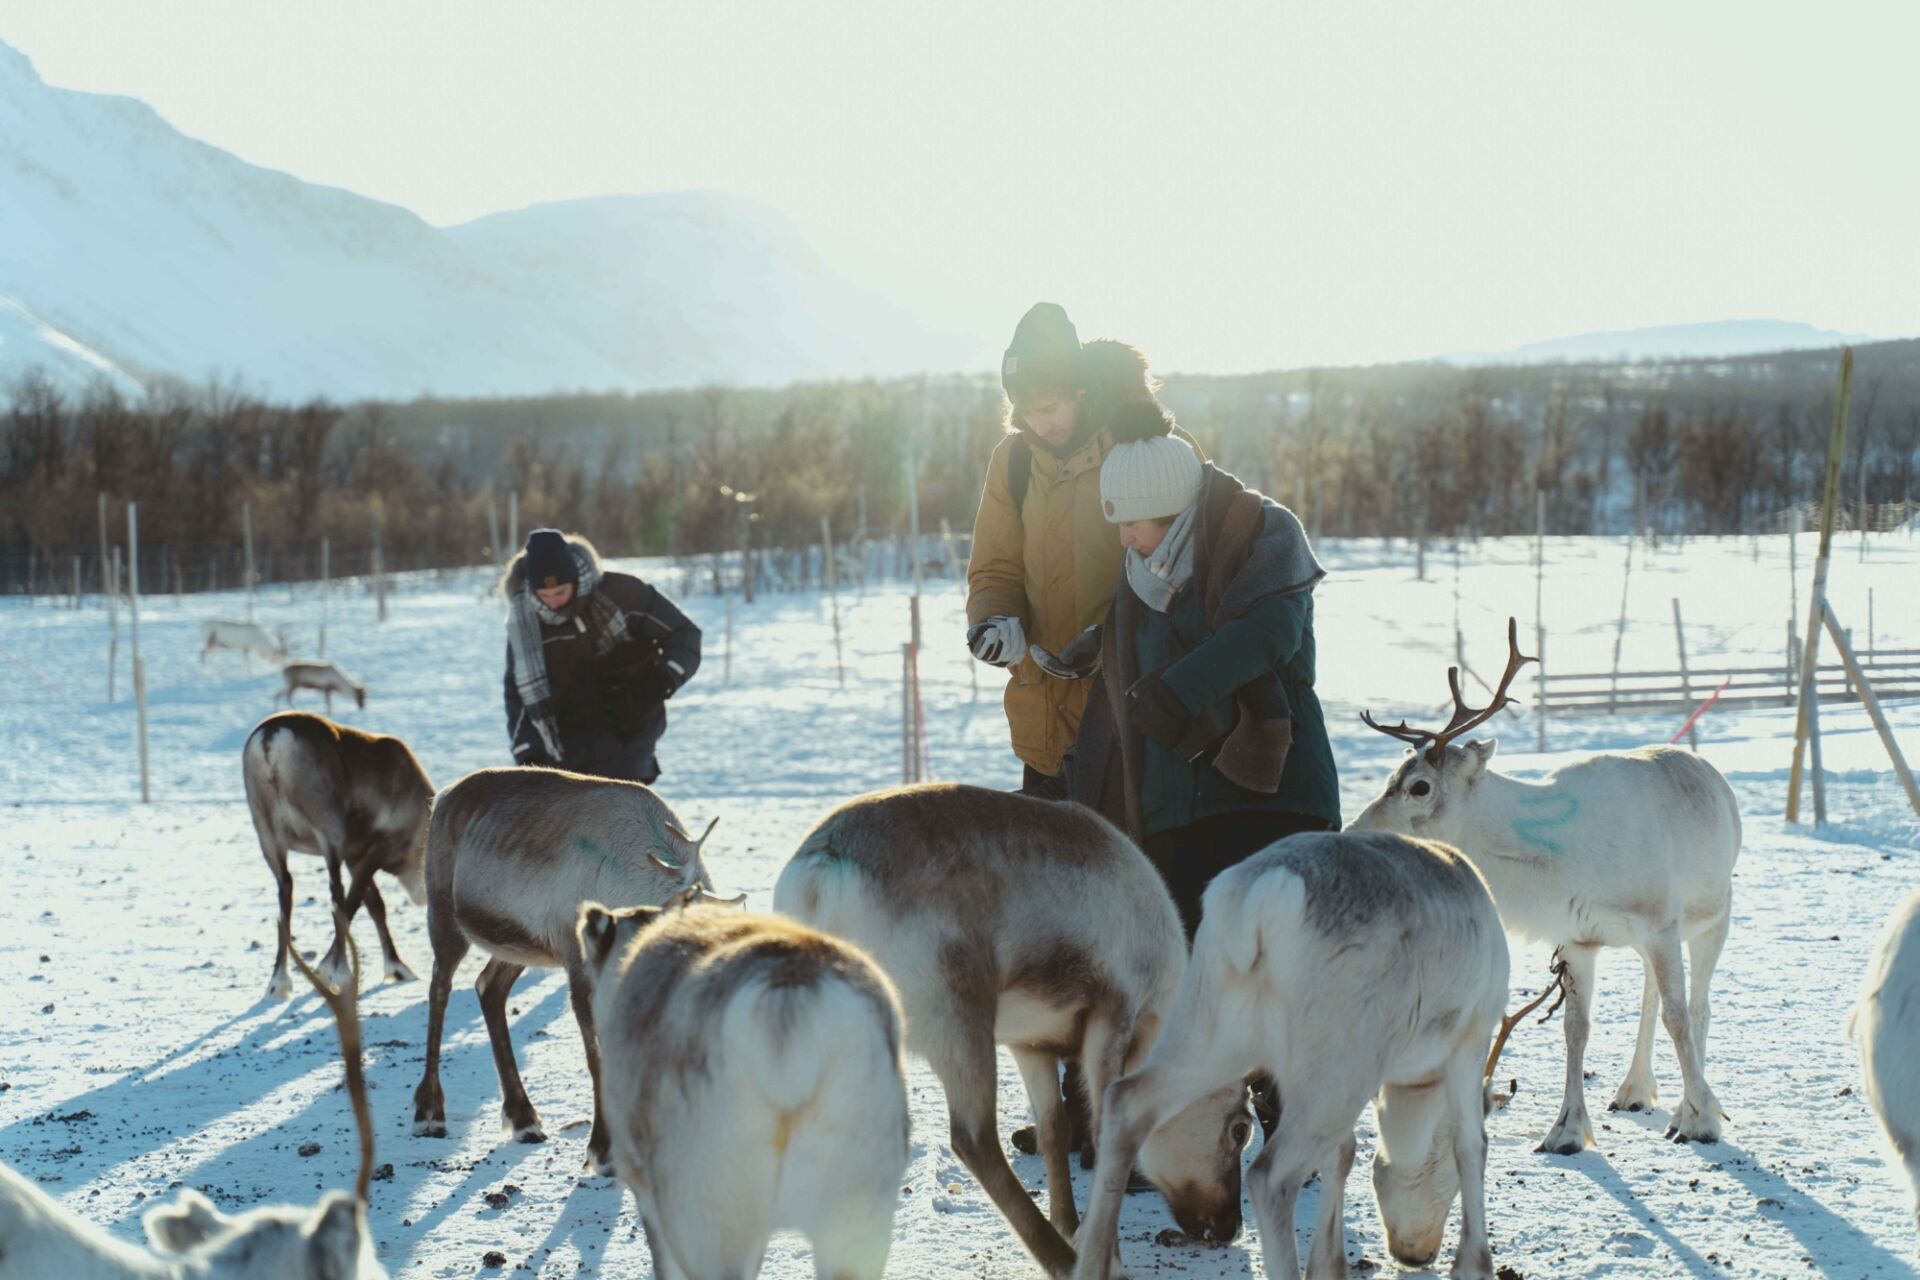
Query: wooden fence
pixel 1894 674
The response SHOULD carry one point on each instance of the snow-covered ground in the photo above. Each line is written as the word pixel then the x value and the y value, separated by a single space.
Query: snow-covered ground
pixel 137 1053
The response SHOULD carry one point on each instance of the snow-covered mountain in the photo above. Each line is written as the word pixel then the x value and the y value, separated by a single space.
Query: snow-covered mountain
pixel 126 245
pixel 1670 342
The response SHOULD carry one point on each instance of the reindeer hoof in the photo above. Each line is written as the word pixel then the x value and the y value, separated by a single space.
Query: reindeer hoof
pixel 281 987
pixel 530 1133
pixel 1694 1124
pixel 397 971
pixel 597 1166
pixel 430 1128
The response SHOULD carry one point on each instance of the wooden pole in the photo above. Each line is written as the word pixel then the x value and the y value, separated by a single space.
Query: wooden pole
pixel 113 622
pixel 1793 584
pixel 1810 652
pixel 326 589
pixel 955 569
pixel 106 588
pixel 1620 632
pixel 1539 613
pixel 1874 712
pixel 1686 677
pixel 833 595
pixel 246 529
pixel 513 519
pixel 379 572
pixel 76 589
pixel 133 634
pixel 726 660
pixel 494 550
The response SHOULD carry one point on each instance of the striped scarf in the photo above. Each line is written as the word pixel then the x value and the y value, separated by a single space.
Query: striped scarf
pixel 589 611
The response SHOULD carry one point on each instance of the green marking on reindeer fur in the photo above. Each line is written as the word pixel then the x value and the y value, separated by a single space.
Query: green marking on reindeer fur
pixel 1546 813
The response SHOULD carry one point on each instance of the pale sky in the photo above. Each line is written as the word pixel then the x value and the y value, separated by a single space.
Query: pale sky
pixel 1231 186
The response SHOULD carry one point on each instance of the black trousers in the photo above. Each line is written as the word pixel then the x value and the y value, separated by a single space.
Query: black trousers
pixel 1047 786
pixel 1189 857
pixel 596 750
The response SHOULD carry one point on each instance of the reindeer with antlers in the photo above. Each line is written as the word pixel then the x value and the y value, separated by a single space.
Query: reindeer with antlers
pixel 511 855
pixel 1621 849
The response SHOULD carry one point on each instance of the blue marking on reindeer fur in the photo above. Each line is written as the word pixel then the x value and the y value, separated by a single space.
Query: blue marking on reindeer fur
pixel 1547 813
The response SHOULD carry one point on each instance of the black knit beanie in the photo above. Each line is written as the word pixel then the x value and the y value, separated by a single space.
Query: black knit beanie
pixel 549 560
pixel 1045 353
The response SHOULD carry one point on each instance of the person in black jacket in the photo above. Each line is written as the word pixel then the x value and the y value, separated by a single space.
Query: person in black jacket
pixel 592 657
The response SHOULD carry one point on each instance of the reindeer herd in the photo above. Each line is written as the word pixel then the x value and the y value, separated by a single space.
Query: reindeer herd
pixel 747 1069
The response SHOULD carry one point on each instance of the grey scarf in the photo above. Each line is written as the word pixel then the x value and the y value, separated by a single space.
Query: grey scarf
pixel 1157 578
pixel 589 611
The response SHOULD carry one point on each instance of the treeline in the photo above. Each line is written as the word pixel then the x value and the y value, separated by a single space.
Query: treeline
pixel 1721 446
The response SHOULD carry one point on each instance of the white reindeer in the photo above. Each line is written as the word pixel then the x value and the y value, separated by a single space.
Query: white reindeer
pixel 1621 849
pixel 322 676
pixel 751 1074
pixel 1886 1025
pixel 247 638
pixel 1003 919
pixel 40 1239
pixel 511 856
pixel 359 800
pixel 1347 967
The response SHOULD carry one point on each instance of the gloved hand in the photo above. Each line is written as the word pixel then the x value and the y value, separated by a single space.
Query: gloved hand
pixel 1078 660
pixel 1001 641
pixel 1158 712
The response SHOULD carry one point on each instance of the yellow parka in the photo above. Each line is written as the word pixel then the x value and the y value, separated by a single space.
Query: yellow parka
pixel 1053 563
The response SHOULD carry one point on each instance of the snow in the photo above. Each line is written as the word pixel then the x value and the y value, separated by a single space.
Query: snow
pixel 137 1055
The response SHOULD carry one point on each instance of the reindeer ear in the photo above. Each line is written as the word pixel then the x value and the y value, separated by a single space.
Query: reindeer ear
pixel 333 1237
pixel 178 1227
pixel 597 929
pixel 1479 754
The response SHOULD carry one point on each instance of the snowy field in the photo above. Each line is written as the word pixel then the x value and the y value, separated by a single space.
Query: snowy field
pixel 138 1055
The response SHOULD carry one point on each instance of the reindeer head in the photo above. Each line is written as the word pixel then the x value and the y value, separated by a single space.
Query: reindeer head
pixel 329 1241
pixel 605 932
pixel 1414 1176
pixel 694 884
pixel 1415 801
pixel 1194 1159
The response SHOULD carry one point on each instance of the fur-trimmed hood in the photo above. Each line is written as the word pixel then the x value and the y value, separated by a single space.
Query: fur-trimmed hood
pixel 1120 392
pixel 514 575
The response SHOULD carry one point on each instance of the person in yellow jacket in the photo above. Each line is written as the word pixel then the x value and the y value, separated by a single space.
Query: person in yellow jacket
pixel 1044 557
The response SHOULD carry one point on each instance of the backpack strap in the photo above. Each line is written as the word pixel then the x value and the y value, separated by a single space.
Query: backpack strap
pixel 1019 471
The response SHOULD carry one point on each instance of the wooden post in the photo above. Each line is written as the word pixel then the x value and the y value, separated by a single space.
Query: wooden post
pixel 906 713
pixel 1810 652
pixel 955 569
pixel 1539 613
pixel 726 660
pixel 76 585
pixel 133 635
pixel 1869 623
pixel 106 586
pixel 1793 582
pixel 513 519
pixel 1420 543
pixel 326 589
pixel 494 550
pixel 1686 677
pixel 833 595
pixel 1620 632
pixel 113 621
pixel 379 572
pixel 1874 712
pixel 246 529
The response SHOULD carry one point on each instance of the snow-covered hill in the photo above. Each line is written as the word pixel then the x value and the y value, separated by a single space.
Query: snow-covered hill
pixel 163 255
pixel 1671 342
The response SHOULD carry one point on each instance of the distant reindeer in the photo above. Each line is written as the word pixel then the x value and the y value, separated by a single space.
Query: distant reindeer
pixel 752 1080
pixel 40 1239
pixel 1621 849
pixel 249 638
pixel 511 856
pixel 1004 919
pixel 1886 1025
pixel 359 800
pixel 323 676
pixel 1348 967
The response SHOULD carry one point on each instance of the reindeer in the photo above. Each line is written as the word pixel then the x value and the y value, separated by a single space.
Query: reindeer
pixel 323 676
pixel 1886 1026
pixel 1621 849
pixel 1348 967
pixel 752 1081
pixel 191 1238
pixel 356 799
pixel 1004 919
pixel 511 855
pixel 246 638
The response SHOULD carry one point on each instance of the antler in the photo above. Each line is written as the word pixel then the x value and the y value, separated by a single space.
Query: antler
pixel 346 1019
pixel 1465 718
pixel 1558 969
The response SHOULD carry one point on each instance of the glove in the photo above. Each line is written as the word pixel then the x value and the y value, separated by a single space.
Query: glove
pixel 1158 712
pixel 1000 641
pixel 1078 660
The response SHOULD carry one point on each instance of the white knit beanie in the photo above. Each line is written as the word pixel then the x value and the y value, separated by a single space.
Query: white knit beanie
pixel 1149 479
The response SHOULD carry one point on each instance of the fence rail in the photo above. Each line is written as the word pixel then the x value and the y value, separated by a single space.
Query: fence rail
pixel 1894 674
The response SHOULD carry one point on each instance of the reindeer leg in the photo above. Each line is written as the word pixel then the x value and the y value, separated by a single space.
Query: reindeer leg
pixel 580 992
pixel 449 949
pixel 1466 1099
pixel 1697 1118
pixel 397 970
pixel 280 986
pixel 1327 1259
pixel 333 967
pixel 1703 953
pixel 1041 1073
pixel 494 984
pixel 1571 1133
pixel 1638 1091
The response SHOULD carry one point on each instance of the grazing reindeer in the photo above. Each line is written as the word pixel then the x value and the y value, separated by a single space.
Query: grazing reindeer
pixel 356 799
pixel 1886 1025
pixel 1347 967
pixel 1621 849
pixel 511 855
pixel 192 1240
pixel 752 1080
pixel 1010 920
pixel 323 676
pixel 246 638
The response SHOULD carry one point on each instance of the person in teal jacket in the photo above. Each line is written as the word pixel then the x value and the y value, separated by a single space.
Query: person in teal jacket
pixel 1209 743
